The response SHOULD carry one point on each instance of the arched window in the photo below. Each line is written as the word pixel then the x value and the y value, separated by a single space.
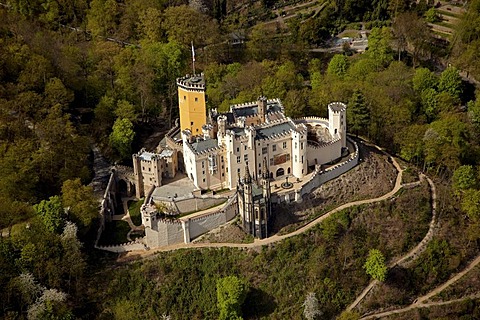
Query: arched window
pixel 280 172
pixel 288 170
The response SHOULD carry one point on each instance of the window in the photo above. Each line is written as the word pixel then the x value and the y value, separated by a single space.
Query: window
pixel 203 179
pixel 259 165
pixel 191 123
pixel 274 147
pixel 296 158
pixel 245 157
pixel 296 145
pixel 238 159
pixel 149 169
pixel 222 158
pixel 288 157
pixel 245 147
pixel 238 170
pixel 184 97
pixel 271 162
pixel 301 145
pixel 143 168
pixel 264 150
pixel 302 159
pixel 284 145
pixel 223 174
pixel 238 149
pixel 196 99
pixel 203 164
pixel 203 172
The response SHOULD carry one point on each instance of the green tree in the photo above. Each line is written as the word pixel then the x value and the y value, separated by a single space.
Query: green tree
pixel 231 293
pixel 431 15
pixel 183 25
pixel 102 17
pixel 450 82
pixel 464 178
pixel 379 46
pixel 338 65
pixel 375 265
pixel 429 98
pixel 122 136
pixel 51 213
pixel 81 202
pixel 471 203
pixel 424 79
pixel 359 114
pixel 126 110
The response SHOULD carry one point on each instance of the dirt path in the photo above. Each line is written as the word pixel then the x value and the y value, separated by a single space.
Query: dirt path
pixel 417 306
pixel 413 254
pixel 452 280
pixel 275 238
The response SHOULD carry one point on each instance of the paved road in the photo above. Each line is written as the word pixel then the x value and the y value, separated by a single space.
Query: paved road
pixel 133 255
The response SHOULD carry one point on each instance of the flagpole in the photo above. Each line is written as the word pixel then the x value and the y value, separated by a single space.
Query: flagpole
pixel 193 58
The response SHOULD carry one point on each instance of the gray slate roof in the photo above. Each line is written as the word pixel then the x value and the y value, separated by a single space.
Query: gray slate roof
pixel 280 128
pixel 203 145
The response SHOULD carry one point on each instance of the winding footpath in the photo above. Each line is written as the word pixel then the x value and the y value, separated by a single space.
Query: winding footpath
pixel 415 252
pixel 133 255
pixel 421 302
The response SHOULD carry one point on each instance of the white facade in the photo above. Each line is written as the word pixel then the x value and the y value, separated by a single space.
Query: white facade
pixel 216 159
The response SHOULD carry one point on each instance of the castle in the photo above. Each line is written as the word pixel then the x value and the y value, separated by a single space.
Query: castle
pixel 245 149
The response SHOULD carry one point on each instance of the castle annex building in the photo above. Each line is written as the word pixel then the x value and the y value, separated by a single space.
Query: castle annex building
pixel 247 149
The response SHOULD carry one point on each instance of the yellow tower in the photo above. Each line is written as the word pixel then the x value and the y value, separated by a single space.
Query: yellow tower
pixel 191 102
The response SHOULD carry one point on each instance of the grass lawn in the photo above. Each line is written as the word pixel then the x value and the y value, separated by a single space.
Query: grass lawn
pixel 134 209
pixel 115 233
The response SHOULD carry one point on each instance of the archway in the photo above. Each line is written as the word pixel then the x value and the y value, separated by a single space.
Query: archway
pixel 280 172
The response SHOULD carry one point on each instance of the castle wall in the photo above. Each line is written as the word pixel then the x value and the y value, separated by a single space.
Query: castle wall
pixel 324 153
pixel 320 177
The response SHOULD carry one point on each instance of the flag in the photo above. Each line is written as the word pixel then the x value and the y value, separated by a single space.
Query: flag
pixel 193 53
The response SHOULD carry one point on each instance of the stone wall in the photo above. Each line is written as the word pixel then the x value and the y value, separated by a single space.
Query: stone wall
pixel 202 224
pixel 324 153
pixel 107 206
pixel 319 177
pixel 125 247
pixel 166 231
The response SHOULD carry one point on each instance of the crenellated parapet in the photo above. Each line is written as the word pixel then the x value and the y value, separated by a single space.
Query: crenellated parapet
pixel 194 82
pixel 337 107
pixel 321 145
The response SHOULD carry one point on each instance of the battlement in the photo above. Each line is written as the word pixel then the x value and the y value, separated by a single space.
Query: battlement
pixel 337 107
pixel 194 82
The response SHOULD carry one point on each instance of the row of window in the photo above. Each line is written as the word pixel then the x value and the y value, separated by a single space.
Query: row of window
pixel 185 98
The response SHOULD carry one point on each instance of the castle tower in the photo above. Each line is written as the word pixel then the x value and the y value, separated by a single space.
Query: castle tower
pixel 248 217
pixel 267 210
pixel 222 125
pixel 262 109
pixel 337 123
pixel 191 102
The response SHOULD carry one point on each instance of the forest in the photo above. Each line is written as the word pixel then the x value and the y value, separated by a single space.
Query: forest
pixel 81 73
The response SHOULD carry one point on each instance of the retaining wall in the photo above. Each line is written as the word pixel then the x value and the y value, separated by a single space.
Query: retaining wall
pixel 129 246
pixel 320 177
